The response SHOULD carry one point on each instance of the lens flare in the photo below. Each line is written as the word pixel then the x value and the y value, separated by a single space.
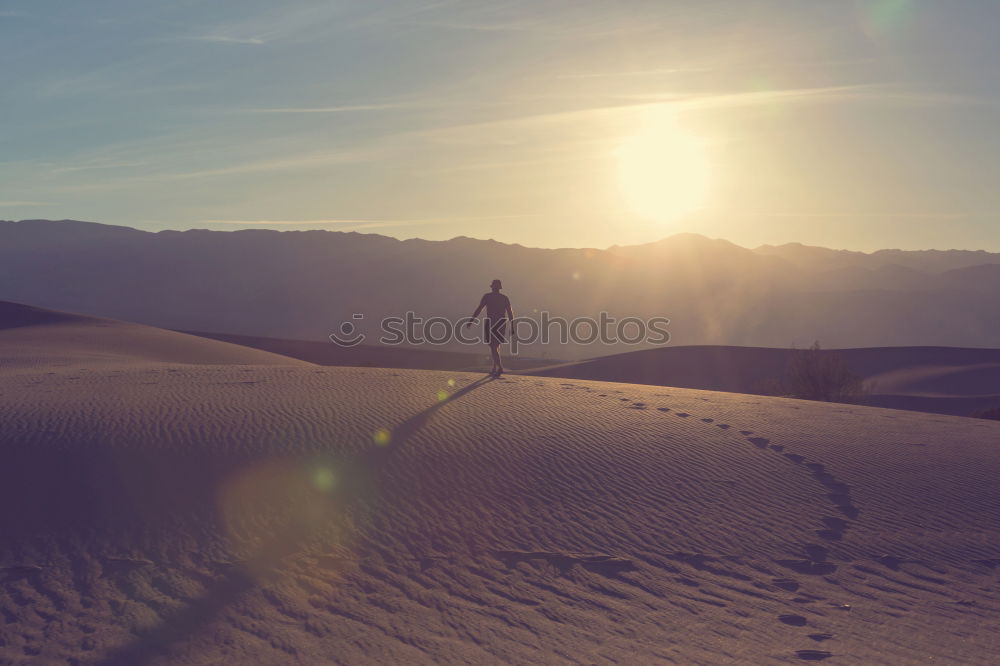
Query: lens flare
pixel 324 479
pixel 442 395
pixel 273 509
pixel 882 19
pixel 382 436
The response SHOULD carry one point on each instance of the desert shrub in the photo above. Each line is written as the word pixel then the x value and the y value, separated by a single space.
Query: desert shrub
pixel 815 374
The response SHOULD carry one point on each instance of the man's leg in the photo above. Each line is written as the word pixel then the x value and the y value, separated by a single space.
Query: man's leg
pixel 495 351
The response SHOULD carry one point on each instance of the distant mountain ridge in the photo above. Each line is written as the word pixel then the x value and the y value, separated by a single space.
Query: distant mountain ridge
pixel 303 284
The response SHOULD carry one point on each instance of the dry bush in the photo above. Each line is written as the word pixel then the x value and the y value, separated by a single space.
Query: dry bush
pixel 815 374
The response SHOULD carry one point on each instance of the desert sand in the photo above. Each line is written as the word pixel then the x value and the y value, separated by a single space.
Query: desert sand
pixel 168 499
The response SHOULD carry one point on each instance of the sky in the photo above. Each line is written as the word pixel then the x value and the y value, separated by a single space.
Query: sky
pixel 859 124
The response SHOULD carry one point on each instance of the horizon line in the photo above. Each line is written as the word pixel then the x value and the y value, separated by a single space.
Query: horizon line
pixel 364 224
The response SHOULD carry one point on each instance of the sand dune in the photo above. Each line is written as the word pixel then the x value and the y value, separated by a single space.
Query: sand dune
pixel 179 513
pixel 476 359
pixel 32 337
pixel 943 380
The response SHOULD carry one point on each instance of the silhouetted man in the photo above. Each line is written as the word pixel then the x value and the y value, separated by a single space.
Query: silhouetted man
pixel 497 312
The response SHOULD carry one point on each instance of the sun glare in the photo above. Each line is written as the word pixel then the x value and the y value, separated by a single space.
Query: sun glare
pixel 663 169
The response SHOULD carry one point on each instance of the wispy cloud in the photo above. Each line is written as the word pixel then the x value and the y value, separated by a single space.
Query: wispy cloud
pixel 340 223
pixel 871 92
pixel 577 20
pixel 855 216
pixel 295 161
pixel 91 167
pixel 363 223
pixel 11 204
pixel 680 101
pixel 292 161
pixel 637 73
pixel 715 67
pixel 632 103
pixel 538 27
pixel 222 39
pixel 281 22
pixel 346 108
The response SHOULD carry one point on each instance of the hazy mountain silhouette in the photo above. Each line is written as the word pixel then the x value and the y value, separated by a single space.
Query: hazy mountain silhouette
pixel 302 284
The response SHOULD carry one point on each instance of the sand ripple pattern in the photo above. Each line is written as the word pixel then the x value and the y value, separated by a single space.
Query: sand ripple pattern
pixel 165 513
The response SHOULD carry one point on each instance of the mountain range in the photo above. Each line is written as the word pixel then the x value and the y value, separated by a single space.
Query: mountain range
pixel 304 284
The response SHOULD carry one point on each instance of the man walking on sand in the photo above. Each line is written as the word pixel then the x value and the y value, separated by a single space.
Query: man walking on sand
pixel 497 313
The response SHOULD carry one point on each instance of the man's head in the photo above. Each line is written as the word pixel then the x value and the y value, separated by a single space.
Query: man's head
pixel 496 285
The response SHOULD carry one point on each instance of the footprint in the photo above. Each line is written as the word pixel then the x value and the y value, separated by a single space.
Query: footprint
pixel 816 553
pixel 786 584
pixel 821 637
pixel 724 426
pixel 835 528
pixel 813 655
pixel 794 457
pixel 890 561
pixel 809 567
pixel 829 535
pixel 759 442
pixel 746 432
pixel 682 414
pixel 663 409
pixel 838 524
pixel 843 504
pixel 708 420
pixel 793 620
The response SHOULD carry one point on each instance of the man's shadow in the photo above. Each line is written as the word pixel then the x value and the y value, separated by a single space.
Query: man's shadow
pixel 185 622
pixel 402 432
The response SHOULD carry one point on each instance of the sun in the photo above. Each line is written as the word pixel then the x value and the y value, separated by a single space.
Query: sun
pixel 663 170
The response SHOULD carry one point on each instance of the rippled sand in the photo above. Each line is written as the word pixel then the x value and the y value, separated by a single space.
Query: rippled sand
pixel 156 508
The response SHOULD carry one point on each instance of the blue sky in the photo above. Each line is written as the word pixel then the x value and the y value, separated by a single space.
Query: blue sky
pixel 858 124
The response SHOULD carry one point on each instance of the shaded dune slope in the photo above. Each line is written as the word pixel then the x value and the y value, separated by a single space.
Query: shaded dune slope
pixel 947 380
pixel 31 336
pixel 373 355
